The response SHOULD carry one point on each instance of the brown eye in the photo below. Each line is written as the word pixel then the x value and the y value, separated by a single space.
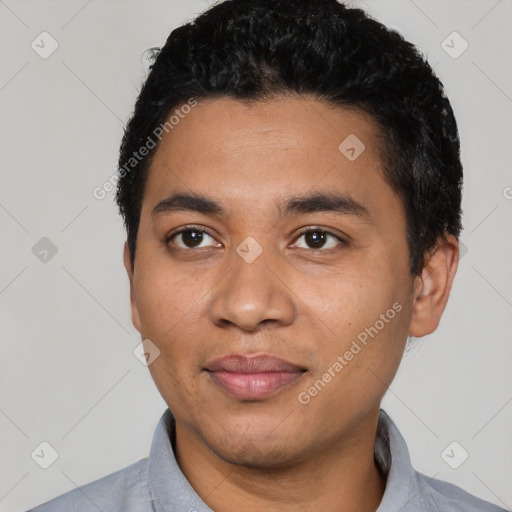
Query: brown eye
pixel 320 239
pixel 190 238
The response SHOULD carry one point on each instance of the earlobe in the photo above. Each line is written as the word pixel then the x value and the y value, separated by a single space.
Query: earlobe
pixel 130 272
pixel 432 287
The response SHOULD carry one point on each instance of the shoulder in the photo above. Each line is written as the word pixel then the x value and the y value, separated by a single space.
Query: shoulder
pixel 125 490
pixel 409 490
pixel 448 497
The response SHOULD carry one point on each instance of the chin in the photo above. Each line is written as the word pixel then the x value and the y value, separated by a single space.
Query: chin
pixel 255 454
pixel 255 446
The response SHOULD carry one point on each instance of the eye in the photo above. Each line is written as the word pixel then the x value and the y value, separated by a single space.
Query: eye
pixel 191 237
pixel 317 238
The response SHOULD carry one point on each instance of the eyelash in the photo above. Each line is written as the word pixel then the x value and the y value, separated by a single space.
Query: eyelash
pixel 301 233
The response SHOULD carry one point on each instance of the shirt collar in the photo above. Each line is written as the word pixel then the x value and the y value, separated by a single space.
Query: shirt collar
pixel 170 490
pixel 168 486
pixel 403 489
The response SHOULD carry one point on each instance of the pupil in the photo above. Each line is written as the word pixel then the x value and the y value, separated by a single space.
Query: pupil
pixel 315 238
pixel 192 237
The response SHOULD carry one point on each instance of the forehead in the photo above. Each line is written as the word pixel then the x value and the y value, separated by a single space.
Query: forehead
pixel 285 123
pixel 252 152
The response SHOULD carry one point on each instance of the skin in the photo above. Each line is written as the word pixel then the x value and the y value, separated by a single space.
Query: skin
pixel 297 301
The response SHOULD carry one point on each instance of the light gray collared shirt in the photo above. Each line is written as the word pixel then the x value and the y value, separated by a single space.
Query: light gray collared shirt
pixel 156 483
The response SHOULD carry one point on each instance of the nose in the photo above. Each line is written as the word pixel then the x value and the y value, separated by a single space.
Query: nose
pixel 253 294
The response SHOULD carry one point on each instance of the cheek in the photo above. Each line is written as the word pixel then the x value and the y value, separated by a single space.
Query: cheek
pixel 169 303
pixel 351 299
pixel 171 307
pixel 365 316
pixel 361 358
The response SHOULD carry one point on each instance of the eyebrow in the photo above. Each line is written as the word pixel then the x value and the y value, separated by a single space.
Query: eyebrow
pixel 319 202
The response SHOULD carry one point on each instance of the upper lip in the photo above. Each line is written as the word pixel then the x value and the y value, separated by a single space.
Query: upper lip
pixel 252 364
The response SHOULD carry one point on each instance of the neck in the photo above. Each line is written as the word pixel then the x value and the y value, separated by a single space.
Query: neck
pixel 340 478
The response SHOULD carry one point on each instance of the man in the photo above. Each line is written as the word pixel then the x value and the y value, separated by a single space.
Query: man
pixel 290 183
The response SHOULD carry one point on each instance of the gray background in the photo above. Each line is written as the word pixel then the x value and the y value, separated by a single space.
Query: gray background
pixel 68 375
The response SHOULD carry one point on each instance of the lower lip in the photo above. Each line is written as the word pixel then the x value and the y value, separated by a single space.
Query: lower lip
pixel 253 386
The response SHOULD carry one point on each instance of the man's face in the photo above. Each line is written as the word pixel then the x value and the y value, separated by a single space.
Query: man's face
pixel 255 284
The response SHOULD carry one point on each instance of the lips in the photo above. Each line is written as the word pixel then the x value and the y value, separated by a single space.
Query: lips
pixel 252 377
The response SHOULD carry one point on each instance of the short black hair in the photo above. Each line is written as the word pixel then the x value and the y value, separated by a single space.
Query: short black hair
pixel 256 50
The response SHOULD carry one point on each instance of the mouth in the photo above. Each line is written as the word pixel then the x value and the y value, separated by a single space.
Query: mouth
pixel 252 377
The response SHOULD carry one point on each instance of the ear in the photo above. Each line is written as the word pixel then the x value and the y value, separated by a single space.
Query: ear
pixel 432 287
pixel 130 272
